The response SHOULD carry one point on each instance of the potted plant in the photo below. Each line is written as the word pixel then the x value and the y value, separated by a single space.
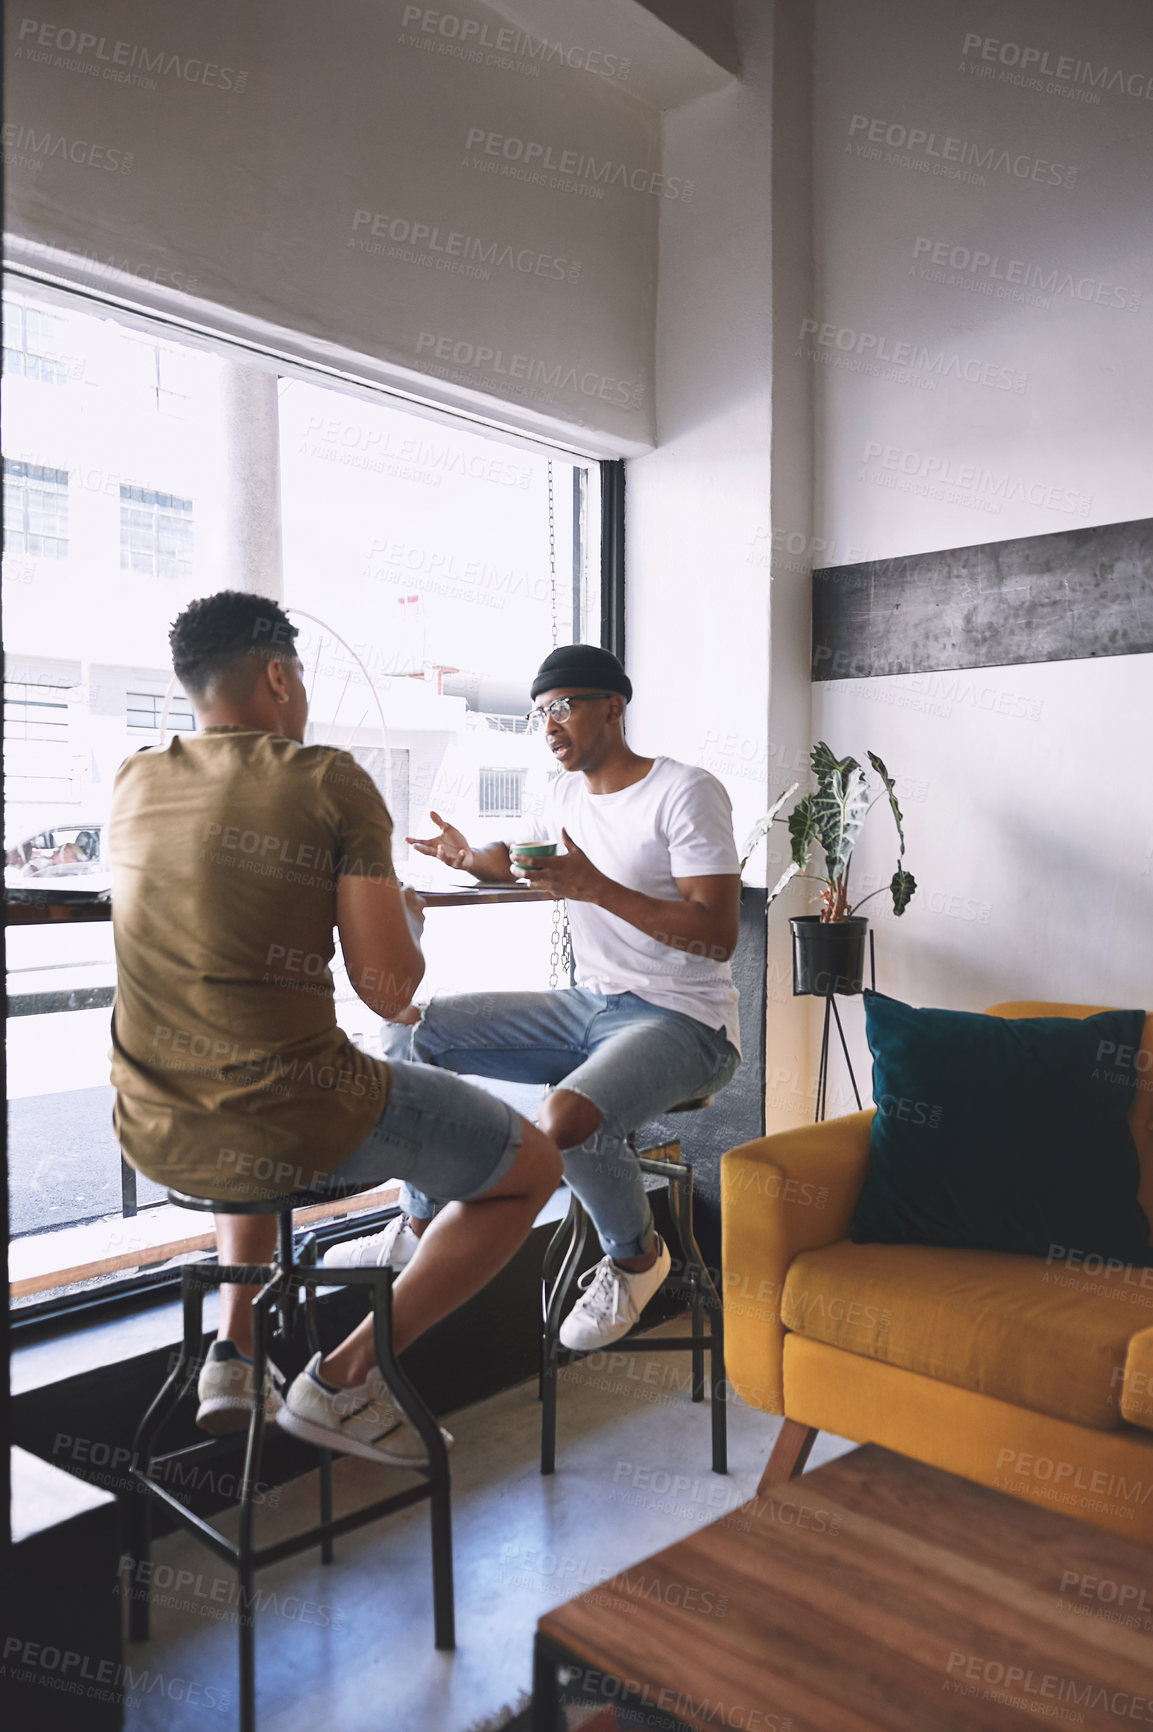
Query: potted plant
pixel 829 947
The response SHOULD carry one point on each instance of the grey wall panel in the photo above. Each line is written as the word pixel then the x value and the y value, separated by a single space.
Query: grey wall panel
pixel 1069 596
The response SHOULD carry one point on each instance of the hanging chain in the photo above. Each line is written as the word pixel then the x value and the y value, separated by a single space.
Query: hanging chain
pixel 552 602
pixel 560 956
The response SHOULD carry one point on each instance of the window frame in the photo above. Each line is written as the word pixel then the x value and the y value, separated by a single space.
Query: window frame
pixel 181 717
pixel 25 349
pixel 65 741
pixel 165 398
pixel 168 512
pixel 60 1313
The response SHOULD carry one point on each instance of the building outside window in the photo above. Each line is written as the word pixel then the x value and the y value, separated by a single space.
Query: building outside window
pixel 500 793
pixel 146 709
pixel 35 510
pixel 32 344
pixel 507 724
pixel 155 533
pixel 34 712
pixel 164 374
pixel 37 741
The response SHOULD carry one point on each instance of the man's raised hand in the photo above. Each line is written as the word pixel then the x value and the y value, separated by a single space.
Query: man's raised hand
pixel 450 846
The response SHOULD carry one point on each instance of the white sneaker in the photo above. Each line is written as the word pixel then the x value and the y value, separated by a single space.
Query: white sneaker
pixel 611 1302
pixel 226 1389
pixel 364 1421
pixel 391 1249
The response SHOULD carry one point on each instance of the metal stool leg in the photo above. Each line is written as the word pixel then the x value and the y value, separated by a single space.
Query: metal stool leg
pixel 576 1223
pixel 709 1300
pixel 684 1219
pixel 697 1326
pixel 262 1307
pixel 440 1521
pixel 326 1549
pixel 140 1552
pixel 703 1298
pixel 286 1302
pixel 169 1397
pixel 555 1249
pixel 548 1407
pixel 551 1263
pixel 439 1477
pixel 719 1393
pixel 312 1335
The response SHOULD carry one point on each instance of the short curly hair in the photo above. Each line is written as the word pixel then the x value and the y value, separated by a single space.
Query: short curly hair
pixel 230 630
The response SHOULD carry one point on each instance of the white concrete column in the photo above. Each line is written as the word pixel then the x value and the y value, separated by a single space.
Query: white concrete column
pixel 249 526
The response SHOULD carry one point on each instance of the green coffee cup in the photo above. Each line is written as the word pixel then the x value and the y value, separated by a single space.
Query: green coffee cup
pixel 528 851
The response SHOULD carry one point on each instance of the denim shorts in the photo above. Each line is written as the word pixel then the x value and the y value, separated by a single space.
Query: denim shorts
pixel 444 1137
pixel 633 1060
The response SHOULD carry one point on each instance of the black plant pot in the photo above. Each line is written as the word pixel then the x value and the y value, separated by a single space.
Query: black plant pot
pixel 828 956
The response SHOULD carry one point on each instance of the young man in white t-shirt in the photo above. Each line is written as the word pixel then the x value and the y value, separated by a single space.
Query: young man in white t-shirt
pixel 652 881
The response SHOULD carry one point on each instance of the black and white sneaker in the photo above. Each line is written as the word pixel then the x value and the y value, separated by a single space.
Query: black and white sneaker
pixel 365 1421
pixel 226 1390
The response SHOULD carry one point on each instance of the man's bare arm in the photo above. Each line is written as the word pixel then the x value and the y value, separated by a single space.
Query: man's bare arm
pixel 491 865
pixel 704 919
pixel 383 957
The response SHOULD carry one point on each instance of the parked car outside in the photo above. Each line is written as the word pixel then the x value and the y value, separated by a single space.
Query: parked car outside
pixel 68 857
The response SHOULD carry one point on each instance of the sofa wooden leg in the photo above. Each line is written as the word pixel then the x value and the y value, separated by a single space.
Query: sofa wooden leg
pixel 790 1453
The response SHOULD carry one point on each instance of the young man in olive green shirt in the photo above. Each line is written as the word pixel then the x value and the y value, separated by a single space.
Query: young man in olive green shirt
pixel 236 851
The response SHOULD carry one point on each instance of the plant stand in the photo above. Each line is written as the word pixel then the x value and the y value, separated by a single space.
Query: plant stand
pixel 831 1014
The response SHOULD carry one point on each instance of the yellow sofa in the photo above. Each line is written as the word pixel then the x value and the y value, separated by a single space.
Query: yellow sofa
pixel 1029 1375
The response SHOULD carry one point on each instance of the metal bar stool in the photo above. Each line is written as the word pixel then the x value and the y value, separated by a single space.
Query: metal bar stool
pixel 561 1261
pixel 288 1286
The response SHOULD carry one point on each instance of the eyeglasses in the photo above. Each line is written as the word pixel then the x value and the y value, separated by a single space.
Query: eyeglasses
pixel 560 709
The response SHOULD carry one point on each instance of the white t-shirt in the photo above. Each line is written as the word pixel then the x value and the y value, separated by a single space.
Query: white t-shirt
pixel 676 822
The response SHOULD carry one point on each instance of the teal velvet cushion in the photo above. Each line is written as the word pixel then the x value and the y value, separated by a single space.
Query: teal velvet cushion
pixel 1003 1133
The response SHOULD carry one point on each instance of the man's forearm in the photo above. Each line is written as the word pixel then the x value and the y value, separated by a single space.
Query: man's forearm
pixel 387 993
pixel 681 924
pixel 492 865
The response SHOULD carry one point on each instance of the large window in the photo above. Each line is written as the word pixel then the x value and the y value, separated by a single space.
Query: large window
pixel 430 566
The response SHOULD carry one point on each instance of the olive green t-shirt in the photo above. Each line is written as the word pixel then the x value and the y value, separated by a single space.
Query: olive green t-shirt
pixel 233 1079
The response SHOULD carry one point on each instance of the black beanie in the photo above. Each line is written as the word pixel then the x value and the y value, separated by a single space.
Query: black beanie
pixel 582 664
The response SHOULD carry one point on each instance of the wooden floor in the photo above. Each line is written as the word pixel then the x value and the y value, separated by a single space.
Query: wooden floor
pixel 879 1595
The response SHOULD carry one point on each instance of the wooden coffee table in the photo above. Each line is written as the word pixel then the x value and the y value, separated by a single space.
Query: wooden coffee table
pixel 872 1595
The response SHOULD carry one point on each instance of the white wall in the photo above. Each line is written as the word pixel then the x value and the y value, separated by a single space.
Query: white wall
pixel 697 628
pixel 718 608
pixel 1029 801
pixel 234 168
